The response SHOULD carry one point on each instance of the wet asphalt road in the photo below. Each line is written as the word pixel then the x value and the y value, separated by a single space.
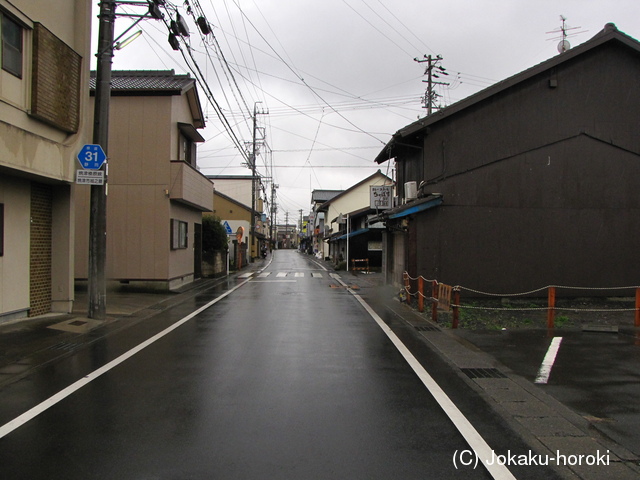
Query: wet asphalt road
pixel 285 378
pixel 594 373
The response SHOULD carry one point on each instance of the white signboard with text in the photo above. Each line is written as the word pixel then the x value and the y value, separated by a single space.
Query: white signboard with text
pixel 381 196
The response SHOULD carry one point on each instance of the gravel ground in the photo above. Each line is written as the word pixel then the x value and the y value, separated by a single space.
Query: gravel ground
pixel 498 313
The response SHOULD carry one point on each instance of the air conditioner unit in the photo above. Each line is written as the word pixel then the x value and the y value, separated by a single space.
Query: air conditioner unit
pixel 410 191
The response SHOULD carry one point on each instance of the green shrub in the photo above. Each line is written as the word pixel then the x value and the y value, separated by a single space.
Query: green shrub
pixel 214 236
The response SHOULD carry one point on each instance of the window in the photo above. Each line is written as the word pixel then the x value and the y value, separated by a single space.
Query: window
pixel 11 46
pixel 179 237
pixel 187 143
pixel 187 151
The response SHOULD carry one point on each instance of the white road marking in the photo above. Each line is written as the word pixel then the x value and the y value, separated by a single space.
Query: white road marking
pixel 274 281
pixel 281 274
pixel 299 274
pixel 245 275
pixel 320 265
pixel 264 274
pixel 62 394
pixel 316 275
pixel 468 431
pixel 334 275
pixel 548 361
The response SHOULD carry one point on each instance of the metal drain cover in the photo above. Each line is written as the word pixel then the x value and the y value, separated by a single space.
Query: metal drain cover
pixel 426 328
pixel 483 373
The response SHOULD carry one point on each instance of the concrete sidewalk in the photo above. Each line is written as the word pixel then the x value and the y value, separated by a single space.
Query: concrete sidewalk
pixel 28 344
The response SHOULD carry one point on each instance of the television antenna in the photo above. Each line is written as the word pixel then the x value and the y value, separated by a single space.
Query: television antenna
pixel 564 44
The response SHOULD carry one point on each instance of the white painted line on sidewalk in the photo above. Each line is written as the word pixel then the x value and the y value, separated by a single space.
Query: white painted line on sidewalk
pixel 474 439
pixel 62 394
pixel 548 361
pixel 320 265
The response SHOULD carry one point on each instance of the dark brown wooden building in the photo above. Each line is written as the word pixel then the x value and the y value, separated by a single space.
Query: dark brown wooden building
pixel 530 182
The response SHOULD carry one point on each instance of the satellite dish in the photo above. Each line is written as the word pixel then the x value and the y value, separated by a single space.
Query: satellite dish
pixel 563 46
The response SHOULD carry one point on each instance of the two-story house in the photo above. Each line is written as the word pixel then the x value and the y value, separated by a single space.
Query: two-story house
pixel 156 195
pixel 317 218
pixel 236 219
pixel 531 182
pixel 349 237
pixel 241 188
pixel 44 92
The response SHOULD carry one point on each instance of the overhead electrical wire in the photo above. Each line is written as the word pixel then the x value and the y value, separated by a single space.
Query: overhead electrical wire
pixel 195 69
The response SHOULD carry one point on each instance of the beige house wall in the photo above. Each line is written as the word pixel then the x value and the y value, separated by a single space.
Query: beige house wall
pixel 15 194
pixel 239 189
pixel 350 201
pixel 145 191
pixel 33 151
pixel 181 260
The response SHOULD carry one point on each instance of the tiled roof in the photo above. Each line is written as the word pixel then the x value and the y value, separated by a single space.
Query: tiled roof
pixel 146 80
pixel 324 195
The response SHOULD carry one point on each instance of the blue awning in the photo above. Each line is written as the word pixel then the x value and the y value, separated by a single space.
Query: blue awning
pixel 353 234
pixel 417 208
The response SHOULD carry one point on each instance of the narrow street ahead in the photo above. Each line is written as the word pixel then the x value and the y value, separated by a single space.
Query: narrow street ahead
pixel 286 377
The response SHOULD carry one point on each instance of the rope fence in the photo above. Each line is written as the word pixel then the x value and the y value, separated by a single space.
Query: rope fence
pixel 452 301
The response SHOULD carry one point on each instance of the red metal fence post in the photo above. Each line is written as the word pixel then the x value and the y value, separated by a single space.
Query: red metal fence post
pixel 434 305
pixel 551 307
pixel 420 294
pixel 456 309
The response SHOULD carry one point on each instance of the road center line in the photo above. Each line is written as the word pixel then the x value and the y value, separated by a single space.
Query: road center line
pixel 548 361
pixel 468 431
pixel 62 394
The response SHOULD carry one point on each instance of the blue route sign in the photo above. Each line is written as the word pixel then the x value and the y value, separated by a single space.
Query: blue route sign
pixel 91 157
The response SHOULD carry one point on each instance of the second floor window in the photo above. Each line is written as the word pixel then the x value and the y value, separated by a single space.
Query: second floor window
pixel 187 151
pixel 11 46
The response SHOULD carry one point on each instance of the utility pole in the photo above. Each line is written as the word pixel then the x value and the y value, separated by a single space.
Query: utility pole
pixel 300 229
pixel 98 209
pixel 97 284
pixel 274 210
pixel 254 153
pixel 430 95
pixel 286 228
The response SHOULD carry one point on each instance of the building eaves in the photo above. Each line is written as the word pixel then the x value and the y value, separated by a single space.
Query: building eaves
pixel 154 83
pixel 609 33
pixel 158 81
pixel 407 209
pixel 321 196
pixel 361 182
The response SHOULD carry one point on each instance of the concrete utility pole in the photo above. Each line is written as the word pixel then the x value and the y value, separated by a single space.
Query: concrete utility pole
pixel 254 153
pixel 98 210
pixel 97 284
pixel 300 229
pixel 274 210
pixel 286 229
pixel 430 95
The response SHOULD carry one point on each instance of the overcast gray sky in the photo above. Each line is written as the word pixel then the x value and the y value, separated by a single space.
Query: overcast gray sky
pixel 338 77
